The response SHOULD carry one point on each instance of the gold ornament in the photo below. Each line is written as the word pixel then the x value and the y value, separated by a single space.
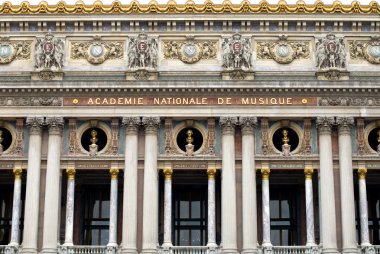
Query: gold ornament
pixel 168 173
pixel 265 173
pixel 114 173
pixel 189 138
pixel 17 172
pixel 71 173
pixel 285 138
pixel 94 138
pixel 211 173
pixel 362 173
pixel 308 173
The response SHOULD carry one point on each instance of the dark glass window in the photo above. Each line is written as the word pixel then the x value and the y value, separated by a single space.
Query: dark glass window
pixel 283 213
pixel 95 209
pixel 6 196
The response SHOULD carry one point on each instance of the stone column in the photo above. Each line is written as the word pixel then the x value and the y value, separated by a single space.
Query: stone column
pixel 364 234
pixel 150 196
pixel 229 237
pixel 211 226
pixel 16 209
pixel 32 197
pixel 266 208
pixel 168 208
pixel 129 231
pixel 310 238
pixel 70 206
pixel 349 242
pixel 52 187
pixel 248 125
pixel 114 172
pixel 327 206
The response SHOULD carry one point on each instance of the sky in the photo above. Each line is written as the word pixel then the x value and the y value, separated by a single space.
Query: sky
pixel 178 1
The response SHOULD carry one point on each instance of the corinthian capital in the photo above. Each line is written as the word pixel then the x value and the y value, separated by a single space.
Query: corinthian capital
pixel 35 124
pixel 324 124
pixel 151 124
pixel 131 124
pixel 228 124
pixel 55 125
pixel 344 125
pixel 247 124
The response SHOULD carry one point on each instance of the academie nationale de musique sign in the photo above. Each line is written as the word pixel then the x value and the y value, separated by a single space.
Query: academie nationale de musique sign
pixel 190 101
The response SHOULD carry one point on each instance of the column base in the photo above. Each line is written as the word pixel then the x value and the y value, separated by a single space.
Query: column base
pixel 329 250
pixel 229 251
pixel 128 250
pixel 250 251
pixel 351 251
pixel 49 251
pixel 29 251
pixel 149 251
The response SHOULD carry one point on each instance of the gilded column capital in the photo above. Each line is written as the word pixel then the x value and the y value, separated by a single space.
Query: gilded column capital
pixel 248 125
pixel 362 172
pixel 324 124
pixel 71 173
pixel 308 173
pixel 35 124
pixel 55 125
pixel 211 173
pixel 168 173
pixel 344 125
pixel 228 124
pixel 17 171
pixel 151 124
pixel 131 124
pixel 114 172
pixel 265 173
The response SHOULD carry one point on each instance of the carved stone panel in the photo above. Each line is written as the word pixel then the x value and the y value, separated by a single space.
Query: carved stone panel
pixel 14 50
pixel 368 50
pixel 97 51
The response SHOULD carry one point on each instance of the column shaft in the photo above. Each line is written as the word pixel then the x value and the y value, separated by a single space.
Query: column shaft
pixel 309 207
pixel 211 226
pixel 16 209
pixel 129 231
pixel 113 208
pixel 52 189
pixel 327 206
pixel 364 233
pixel 249 206
pixel 150 198
pixel 32 197
pixel 70 206
pixel 347 185
pixel 266 208
pixel 229 237
pixel 168 208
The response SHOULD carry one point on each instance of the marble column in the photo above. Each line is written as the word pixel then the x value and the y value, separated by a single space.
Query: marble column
pixel 310 237
pixel 112 240
pixel 150 195
pixel 168 208
pixel 327 205
pixel 16 208
pixel 266 207
pixel 249 207
pixel 129 231
pixel 211 226
pixel 32 197
pixel 349 242
pixel 229 236
pixel 52 187
pixel 364 233
pixel 70 206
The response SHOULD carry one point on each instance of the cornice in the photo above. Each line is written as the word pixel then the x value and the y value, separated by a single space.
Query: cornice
pixel 190 8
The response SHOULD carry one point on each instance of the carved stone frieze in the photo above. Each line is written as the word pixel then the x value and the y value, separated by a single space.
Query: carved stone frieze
pixel 237 52
pixel 97 51
pixel 73 145
pixel 283 51
pixel 190 51
pixel 142 52
pixel 34 101
pixel 17 149
pixel 14 50
pixel 306 144
pixel 264 136
pixel 168 136
pixel 349 101
pixel 211 136
pixel 368 50
pixel 114 136
pixel 49 53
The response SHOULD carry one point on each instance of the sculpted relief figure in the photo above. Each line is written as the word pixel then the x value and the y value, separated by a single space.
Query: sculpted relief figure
pixel 330 53
pixel 236 52
pixel 49 52
pixel 142 52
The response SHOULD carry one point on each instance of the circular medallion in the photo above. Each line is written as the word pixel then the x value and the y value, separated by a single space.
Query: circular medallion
pixel 331 46
pixel 48 47
pixel 96 50
pixel 5 51
pixel 142 46
pixel 189 50
pixel 374 50
pixel 236 46
pixel 283 50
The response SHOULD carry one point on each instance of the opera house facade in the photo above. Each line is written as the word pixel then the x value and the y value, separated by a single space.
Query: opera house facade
pixel 189 129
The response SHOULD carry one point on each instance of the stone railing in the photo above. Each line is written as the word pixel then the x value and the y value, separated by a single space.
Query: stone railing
pixel 8 249
pixel 377 249
pixel 86 249
pixel 293 250
pixel 189 250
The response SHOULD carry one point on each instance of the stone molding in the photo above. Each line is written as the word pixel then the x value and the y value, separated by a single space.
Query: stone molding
pixel 32 101
pixel 55 125
pixel 228 124
pixel 344 125
pixel 248 125
pixel 325 124
pixel 131 125
pixel 349 101
pixel 35 124
pixel 151 124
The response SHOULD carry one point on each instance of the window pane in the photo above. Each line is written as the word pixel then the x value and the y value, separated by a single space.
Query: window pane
pixel 184 237
pixel 275 237
pixel 274 209
pixel 285 213
pixel 195 237
pixel 103 237
pixel 94 237
pixel 196 209
pixel 105 209
pixel 378 208
pixel 184 209
pixel 95 211
pixel 285 237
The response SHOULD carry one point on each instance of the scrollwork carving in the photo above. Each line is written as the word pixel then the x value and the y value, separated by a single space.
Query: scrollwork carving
pixel 190 51
pixel 14 50
pixel 368 50
pixel 142 52
pixel 283 51
pixel 151 124
pixel 49 52
pixel 324 124
pixel 349 101
pixel 228 124
pixel 330 53
pixel 236 52
pixel 55 125
pixel 247 125
pixel 131 124
pixel 35 124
